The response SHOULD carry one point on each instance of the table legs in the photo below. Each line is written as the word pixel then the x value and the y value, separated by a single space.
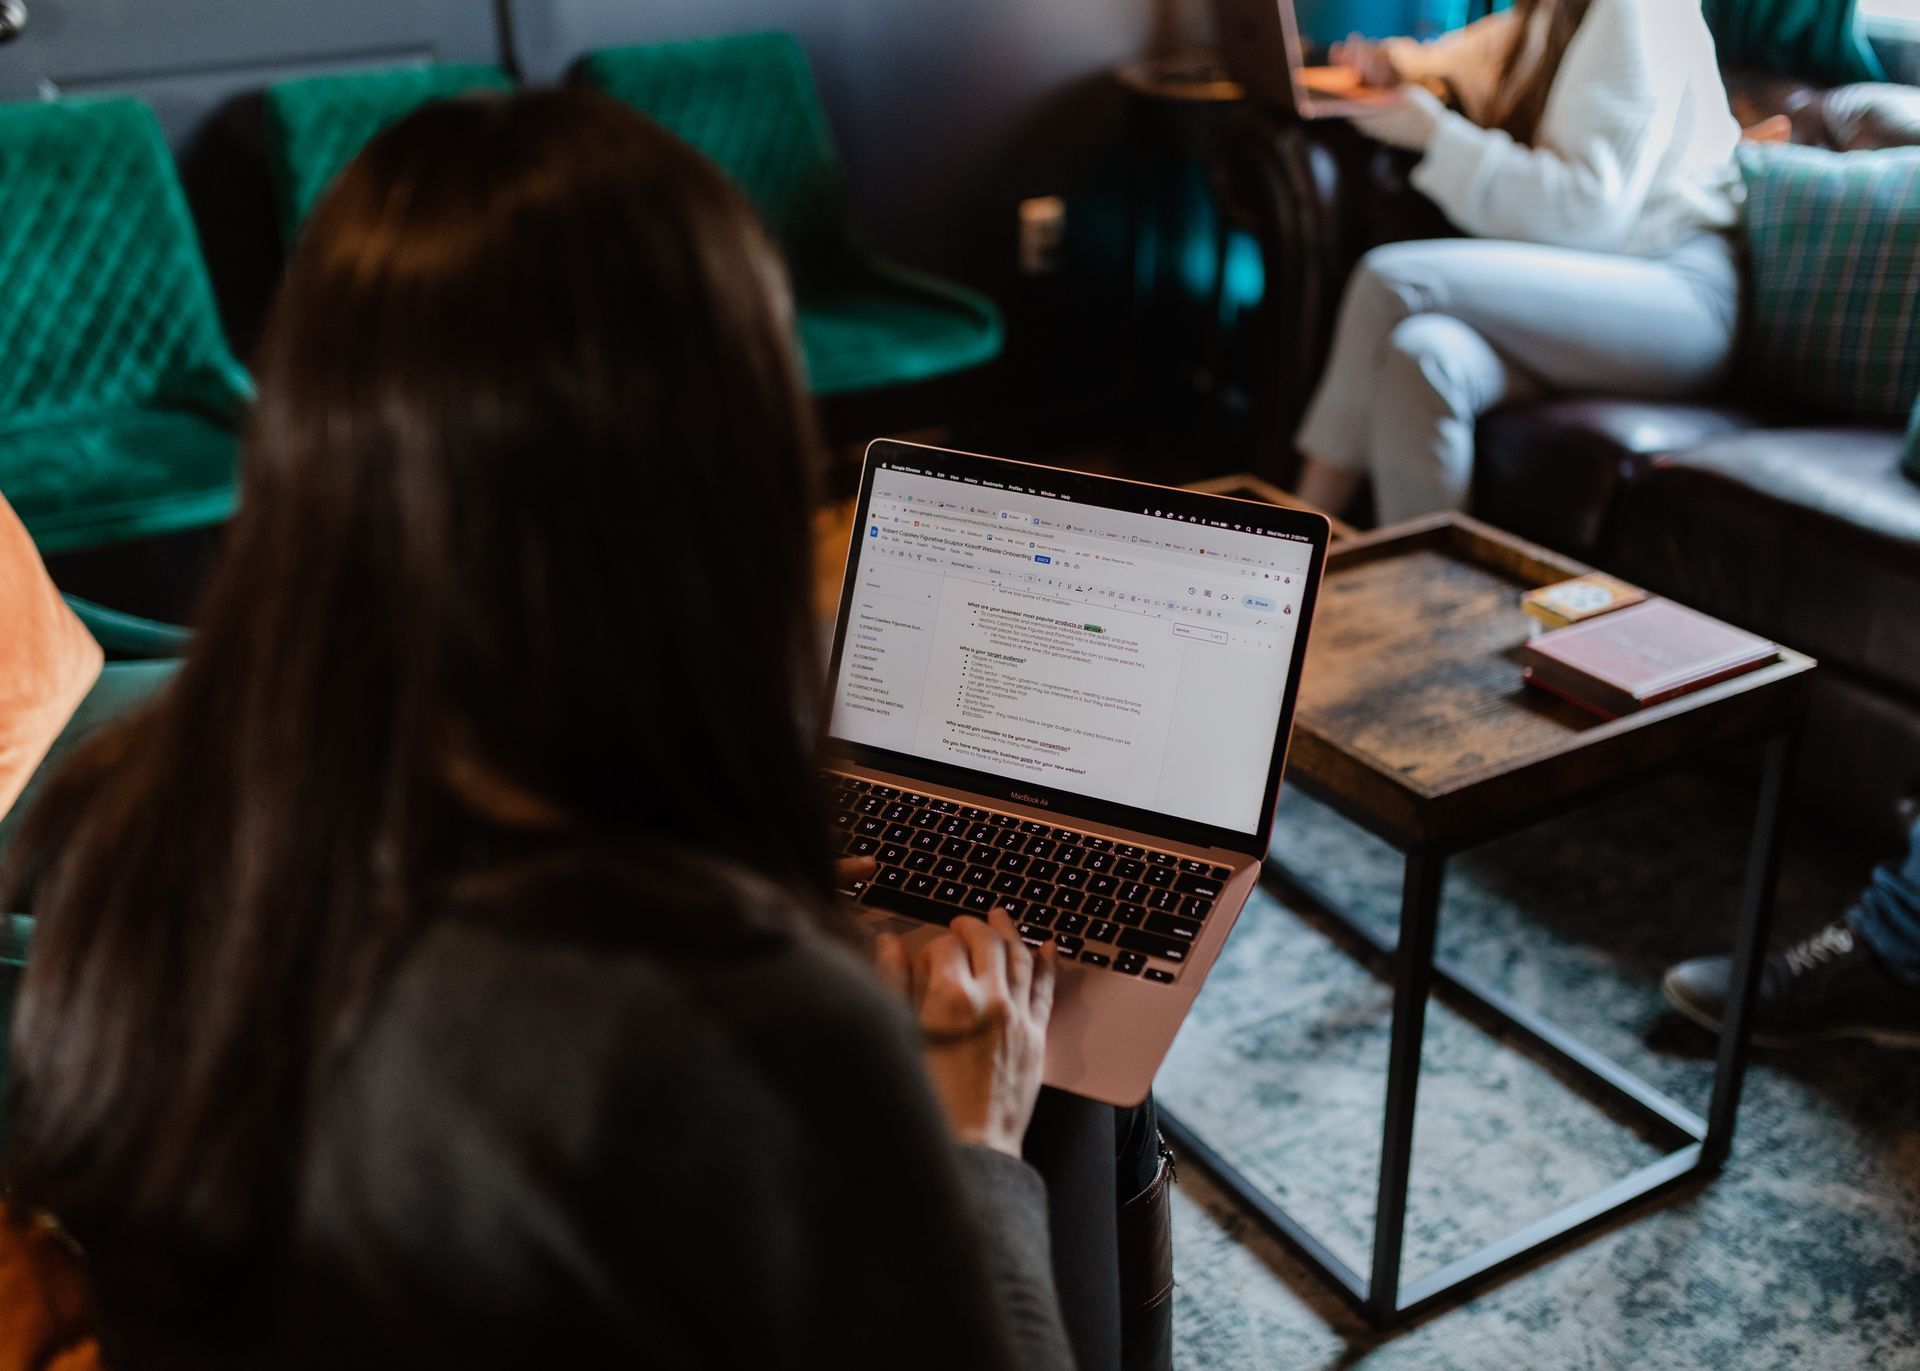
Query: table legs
pixel 1416 973
pixel 1749 949
pixel 1412 987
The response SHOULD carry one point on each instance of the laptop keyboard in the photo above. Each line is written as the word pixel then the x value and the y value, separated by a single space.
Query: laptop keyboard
pixel 1132 910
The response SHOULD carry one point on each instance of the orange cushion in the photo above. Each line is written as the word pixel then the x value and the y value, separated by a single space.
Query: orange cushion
pixel 48 661
pixel 44 1322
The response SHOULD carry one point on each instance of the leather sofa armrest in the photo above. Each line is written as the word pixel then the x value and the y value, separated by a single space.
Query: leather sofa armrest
pixel 1868 115
pixel 1852 118
pixel 1552 470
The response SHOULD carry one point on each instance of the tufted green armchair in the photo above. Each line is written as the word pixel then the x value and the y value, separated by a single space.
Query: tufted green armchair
pixel 119 398
pixel 315 126
pixel 748 102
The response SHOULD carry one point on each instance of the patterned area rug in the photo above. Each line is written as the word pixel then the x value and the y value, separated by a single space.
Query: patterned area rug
pixel 1804 1253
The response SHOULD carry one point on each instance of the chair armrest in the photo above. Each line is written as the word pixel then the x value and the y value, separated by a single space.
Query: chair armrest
pixel 1868 115
pixel 126 635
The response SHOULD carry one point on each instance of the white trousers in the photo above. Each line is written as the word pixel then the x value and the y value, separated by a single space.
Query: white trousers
pixel 1433 334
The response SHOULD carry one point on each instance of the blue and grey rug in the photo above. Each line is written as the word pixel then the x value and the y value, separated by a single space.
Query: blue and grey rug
pixel 1804 1253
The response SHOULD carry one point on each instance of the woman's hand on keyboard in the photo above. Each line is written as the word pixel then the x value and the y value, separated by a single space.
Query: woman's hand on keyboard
pixel 983 1000
pixel 851 874
pixel 1366 59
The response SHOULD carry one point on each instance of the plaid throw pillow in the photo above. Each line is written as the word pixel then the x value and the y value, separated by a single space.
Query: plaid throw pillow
pixel 1834 243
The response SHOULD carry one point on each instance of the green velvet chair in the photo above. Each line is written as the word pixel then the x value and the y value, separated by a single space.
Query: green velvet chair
pixel 748 102
pixel 119 398
pixel 316 125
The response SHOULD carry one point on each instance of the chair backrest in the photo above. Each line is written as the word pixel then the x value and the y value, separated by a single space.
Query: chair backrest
pixel 315 126
pixel 105 303
pixel 748 102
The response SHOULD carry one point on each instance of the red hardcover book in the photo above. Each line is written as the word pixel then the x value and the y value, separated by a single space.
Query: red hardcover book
pixel 1640 656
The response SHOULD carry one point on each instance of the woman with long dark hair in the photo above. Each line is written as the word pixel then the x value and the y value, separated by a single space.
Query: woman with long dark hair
pixel 1591 155
pixel 443 969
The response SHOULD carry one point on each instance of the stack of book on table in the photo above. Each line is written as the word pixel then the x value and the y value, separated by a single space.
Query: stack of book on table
pixel 1622 661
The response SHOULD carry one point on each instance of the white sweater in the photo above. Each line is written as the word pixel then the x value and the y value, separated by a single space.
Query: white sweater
pixel 1634 152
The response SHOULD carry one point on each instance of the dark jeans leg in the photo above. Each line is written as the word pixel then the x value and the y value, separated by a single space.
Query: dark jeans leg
pixel 1095 1158
pixel 1146 1240
pixel 1888 914
pixel 1136 1148
pixel 1071 1144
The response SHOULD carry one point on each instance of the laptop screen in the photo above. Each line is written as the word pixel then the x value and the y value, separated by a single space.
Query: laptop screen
pixel 1122 642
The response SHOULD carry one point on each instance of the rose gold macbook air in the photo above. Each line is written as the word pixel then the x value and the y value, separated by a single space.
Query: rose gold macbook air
pixel 1068 697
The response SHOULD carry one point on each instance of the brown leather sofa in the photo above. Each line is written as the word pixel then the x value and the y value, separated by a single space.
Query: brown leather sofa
pixel 1792 525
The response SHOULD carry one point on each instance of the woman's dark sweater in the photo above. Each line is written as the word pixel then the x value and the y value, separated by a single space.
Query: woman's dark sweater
pixel 609 1115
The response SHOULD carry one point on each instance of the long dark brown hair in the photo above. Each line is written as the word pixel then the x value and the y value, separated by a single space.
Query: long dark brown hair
pixel 525 491
pixel 1520 99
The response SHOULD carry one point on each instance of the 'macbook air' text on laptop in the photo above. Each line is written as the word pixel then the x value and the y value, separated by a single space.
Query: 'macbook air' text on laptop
pixel 1068 697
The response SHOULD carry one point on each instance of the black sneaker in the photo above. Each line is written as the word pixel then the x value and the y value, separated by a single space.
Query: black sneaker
pixel 1829 985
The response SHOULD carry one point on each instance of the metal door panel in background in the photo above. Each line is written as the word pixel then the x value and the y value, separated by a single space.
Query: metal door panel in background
pixel 189 55
pixel 201 64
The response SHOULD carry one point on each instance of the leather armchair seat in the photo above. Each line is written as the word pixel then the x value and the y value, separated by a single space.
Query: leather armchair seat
pixel 1812 532
pixel 1809 534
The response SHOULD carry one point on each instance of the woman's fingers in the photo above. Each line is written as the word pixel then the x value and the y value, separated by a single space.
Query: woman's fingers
pixel 945 988
pixel 1019 957
pixel 984 1003
pixel 918 967
pixel 986 950
pixel 960 974
pixel 1046 975
pixel 890 960
pixel 850 873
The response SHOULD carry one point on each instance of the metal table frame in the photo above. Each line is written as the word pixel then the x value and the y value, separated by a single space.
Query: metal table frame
pixel 1381 1297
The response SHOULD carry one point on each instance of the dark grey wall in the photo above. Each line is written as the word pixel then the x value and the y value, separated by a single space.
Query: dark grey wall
pixel 189 57
pixel 948 111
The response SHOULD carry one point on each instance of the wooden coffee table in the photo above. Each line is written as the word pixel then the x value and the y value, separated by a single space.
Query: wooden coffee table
pixel 1414 723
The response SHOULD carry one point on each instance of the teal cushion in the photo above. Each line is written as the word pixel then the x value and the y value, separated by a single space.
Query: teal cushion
pixel 317 125
pixel 891 327
pixel 114 358
pixel 1834 243
pixel 748 102
pixel 131 474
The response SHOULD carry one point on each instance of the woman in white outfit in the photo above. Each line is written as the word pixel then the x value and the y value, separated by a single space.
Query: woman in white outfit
pixel 1592 160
